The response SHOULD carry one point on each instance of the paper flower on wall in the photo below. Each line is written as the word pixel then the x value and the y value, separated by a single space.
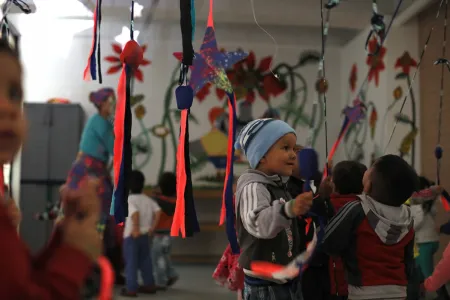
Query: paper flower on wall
pixel 405 62
pixel 247 78
pixel 375 62
pixel 115 59
pixel 353 78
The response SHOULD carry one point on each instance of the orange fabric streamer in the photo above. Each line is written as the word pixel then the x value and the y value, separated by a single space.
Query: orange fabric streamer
pixel 179 216
pixel 118 124
pixel 230 158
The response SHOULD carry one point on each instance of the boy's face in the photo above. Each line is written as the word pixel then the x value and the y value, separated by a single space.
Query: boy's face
pixel 366 180
pixel 12 123
pixel 296 169
pixel 281 157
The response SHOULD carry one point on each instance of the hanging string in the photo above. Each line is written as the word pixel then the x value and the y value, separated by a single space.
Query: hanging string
pixel 444 63
pixel 415 74
pixel 132 21
pixel 325 25
pixel 268 34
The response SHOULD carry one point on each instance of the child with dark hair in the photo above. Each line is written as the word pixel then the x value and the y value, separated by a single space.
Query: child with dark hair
pixel 266 221
pixel 143 215
pixel 163 269
pixel 347 180
pixel 374 235
pixel 59 271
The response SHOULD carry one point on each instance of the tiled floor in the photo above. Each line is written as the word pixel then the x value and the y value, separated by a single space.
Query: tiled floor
pixel 195 284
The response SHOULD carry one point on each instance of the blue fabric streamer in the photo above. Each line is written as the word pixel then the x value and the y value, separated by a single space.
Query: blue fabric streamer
pixel 230 213
pixel 117 208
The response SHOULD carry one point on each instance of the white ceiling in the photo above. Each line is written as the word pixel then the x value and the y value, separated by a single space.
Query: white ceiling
pixel 350 14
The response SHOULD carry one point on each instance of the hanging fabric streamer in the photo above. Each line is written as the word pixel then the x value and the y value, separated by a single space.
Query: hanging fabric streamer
pixel 93 66
pixel 131 57
pixel 185 216
pixel 444 63
pixel 209 65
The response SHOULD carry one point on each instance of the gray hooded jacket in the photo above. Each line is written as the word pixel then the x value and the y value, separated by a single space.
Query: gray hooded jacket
pixel 267 230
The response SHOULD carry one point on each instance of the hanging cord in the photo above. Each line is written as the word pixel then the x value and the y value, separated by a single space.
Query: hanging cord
pixel 132 21
pixel 186 23
pixel 415 74
pixel 269 35
pixel 325 25
pixel 379 29
pixel 444 63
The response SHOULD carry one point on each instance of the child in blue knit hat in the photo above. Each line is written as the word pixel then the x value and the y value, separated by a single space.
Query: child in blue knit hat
pixel 266 214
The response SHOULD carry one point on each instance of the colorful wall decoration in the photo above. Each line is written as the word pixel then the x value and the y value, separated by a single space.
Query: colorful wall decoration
pixel 285 96
pixel 356 138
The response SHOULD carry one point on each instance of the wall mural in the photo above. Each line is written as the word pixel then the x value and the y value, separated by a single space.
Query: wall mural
pixel 253 80
pixel 357 135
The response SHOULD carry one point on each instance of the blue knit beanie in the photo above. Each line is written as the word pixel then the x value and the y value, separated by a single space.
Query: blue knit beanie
pixel 256 138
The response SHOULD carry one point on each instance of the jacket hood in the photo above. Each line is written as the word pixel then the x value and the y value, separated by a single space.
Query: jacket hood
pixel 339 200
pixel 252 175
pixel 390 223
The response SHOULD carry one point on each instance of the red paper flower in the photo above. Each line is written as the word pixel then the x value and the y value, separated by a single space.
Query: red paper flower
pixel 405 62
pixel 203 92
pixel 375 62
pixel 118 64
pixel 245 79
pixel 353 77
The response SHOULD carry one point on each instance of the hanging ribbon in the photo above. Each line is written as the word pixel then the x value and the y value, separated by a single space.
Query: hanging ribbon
pixel 185 216
pixel 228 211
pixel 90 72
pixel 131 57
pixel 438 150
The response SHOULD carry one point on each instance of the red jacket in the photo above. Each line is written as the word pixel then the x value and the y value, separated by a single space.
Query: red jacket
pixel 59 272
pixel 338 283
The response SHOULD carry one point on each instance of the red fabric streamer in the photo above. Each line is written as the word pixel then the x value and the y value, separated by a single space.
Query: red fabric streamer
pixel 230 158
pixel 118 124
pixel 87 71
pixel 178 223
pixel 445 203
pixel 334 148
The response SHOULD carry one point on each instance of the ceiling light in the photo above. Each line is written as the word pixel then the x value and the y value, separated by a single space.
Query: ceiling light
pixel 124 37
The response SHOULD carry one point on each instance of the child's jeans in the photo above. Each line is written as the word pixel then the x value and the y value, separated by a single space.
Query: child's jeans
pixel 288 291
pixel 413 287
pixel 163 267
pixel 137 257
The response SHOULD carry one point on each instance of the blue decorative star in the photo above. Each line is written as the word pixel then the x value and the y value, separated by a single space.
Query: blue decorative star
pixel 210 64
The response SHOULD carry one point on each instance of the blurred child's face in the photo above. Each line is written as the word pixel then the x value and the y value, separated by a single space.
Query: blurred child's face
pixel 12 123
pixel 296 168
pixel 106 108
pixel 281 157
pixel 366 181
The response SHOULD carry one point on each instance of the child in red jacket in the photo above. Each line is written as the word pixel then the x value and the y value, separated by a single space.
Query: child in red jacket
pixel 60 270
pixel 347 180
pixel 374 236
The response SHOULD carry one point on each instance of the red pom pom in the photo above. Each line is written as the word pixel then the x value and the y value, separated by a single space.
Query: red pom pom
pixel 132 54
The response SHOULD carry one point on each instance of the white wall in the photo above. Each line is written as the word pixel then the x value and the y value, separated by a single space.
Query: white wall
pixel 49 72
pixel 400 39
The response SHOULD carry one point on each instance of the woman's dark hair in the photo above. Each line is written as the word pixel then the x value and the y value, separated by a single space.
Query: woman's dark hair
pixel 137 181
pixel 424 183
pixel 167 182
pixel 393 180
pixel 348 176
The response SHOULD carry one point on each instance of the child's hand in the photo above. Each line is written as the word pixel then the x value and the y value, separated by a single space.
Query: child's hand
pixel 439 189
pixel 302 203
pixel 80 227
pixel 326 187
pixel 135 233
pixel 14 213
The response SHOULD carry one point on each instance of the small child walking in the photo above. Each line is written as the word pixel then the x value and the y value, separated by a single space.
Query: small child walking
pixel 164 271
pixel 143 215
